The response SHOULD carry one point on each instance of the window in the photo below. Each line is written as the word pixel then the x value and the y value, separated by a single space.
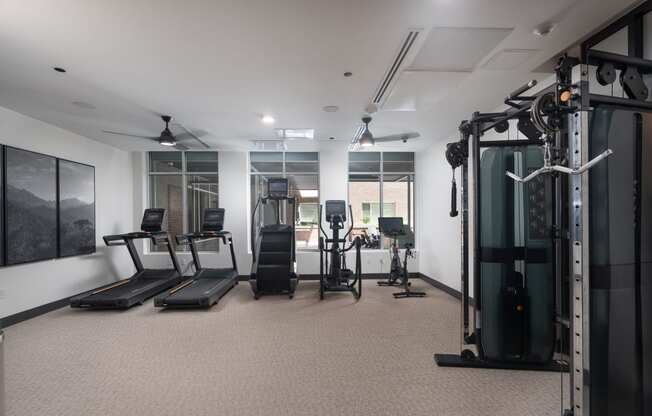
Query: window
pixel 302 171
pixel 184 183
pixel 381 184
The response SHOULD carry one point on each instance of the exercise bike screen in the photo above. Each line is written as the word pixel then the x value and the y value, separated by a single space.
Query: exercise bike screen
pixel 390 225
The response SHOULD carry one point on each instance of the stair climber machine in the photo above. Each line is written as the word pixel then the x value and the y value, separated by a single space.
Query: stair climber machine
pixel 392 227
pixel 520 282
pixel 207 285
pixel 273 270
pixel 145 283
pixel 333 273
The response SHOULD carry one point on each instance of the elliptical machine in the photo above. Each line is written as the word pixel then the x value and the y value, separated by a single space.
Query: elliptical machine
pixel 393 228
pixel 273 270
pixel 334 276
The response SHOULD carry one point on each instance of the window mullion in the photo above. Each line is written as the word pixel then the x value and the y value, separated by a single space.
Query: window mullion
pixel 381 243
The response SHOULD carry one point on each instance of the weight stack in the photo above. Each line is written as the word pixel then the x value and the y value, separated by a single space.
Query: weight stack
pixel 515 221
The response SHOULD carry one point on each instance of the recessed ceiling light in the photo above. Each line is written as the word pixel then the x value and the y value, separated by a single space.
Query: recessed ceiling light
pixel 267 119
pixel 348 74
pixel 331 108
pixel 59 69
pixel 331 138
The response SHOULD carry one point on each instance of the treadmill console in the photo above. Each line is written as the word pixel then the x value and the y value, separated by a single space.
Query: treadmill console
pixel 277 188
pixel 153 220
pixel 391 225
pixel 213 219
pixel 335 210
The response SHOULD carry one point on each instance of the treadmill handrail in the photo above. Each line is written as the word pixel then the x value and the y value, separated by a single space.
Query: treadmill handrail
pixel 157 237
pixel 191 240
pixel 198 237
pixel 114 240
pixel 120 239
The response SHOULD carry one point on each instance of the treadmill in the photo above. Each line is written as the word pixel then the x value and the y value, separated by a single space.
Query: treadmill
pixel 145 283
pixel 207 286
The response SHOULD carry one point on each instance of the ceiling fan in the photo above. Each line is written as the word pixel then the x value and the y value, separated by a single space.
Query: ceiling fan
pixel 367 139
pixel 166 138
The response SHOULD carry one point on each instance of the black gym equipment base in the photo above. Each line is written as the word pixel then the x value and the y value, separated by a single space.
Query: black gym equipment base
pixel 409 294
pixel 385 283
pixel 453 360
pixel 394 284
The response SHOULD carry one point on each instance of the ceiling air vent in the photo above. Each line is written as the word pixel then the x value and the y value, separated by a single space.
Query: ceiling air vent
pixel 394 69
pixel 269 144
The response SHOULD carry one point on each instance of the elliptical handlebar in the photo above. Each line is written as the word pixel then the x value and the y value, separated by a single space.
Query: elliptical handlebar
pixel 320 226
pixel 293 201
pixel 350 223
pixel 253 233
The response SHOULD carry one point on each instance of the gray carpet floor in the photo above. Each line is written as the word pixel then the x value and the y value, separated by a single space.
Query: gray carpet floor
pixel 268 357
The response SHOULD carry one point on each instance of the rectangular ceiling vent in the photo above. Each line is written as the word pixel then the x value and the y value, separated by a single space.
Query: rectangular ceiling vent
pixel 509 59
pixel 457 49
pixel 394 69
pixel 269 144
pixel 295 134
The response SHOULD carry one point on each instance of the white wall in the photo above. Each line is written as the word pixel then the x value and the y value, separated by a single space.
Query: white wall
pixel 234 197
pixel 438 236
pixel 27 286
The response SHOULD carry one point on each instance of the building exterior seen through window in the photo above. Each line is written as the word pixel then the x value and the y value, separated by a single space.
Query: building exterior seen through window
pixel 302 171
pixel 381 184
pixel 184 183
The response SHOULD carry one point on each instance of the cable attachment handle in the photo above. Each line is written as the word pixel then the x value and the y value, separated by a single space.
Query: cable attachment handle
pixel 548 167
pixel 454 211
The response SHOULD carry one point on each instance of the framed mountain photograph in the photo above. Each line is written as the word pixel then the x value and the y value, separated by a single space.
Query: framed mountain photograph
pixel 31 206
pixel 76 208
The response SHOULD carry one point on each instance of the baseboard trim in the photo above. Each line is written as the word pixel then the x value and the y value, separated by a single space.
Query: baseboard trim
pixel 310 277
pixel 19 317
pixel 444 287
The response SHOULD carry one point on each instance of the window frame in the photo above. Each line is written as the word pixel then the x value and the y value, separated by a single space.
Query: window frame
pixel 411 199
pixel 185 175
pixel 285 174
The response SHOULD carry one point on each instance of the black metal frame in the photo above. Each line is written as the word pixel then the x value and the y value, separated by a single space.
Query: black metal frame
pixel 330 279
pixel 3 222
pixel 192 239
pixel 633 21
pixel 59 160
pixel 471 145
pixel 157 237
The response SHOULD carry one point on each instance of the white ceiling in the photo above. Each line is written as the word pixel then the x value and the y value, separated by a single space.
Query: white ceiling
pixel 218 65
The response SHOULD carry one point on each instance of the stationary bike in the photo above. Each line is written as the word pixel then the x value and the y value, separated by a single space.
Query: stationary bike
pixel 334 276
pixel 393 228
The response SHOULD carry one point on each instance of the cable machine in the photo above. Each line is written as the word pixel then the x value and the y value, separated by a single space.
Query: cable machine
pixel 597 153
pixel 518 246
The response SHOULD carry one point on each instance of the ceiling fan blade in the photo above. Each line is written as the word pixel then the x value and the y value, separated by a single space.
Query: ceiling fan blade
pixel 180 146
pixel 397 137
pixel 183 137
pixel 117 133
pixel 193 135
